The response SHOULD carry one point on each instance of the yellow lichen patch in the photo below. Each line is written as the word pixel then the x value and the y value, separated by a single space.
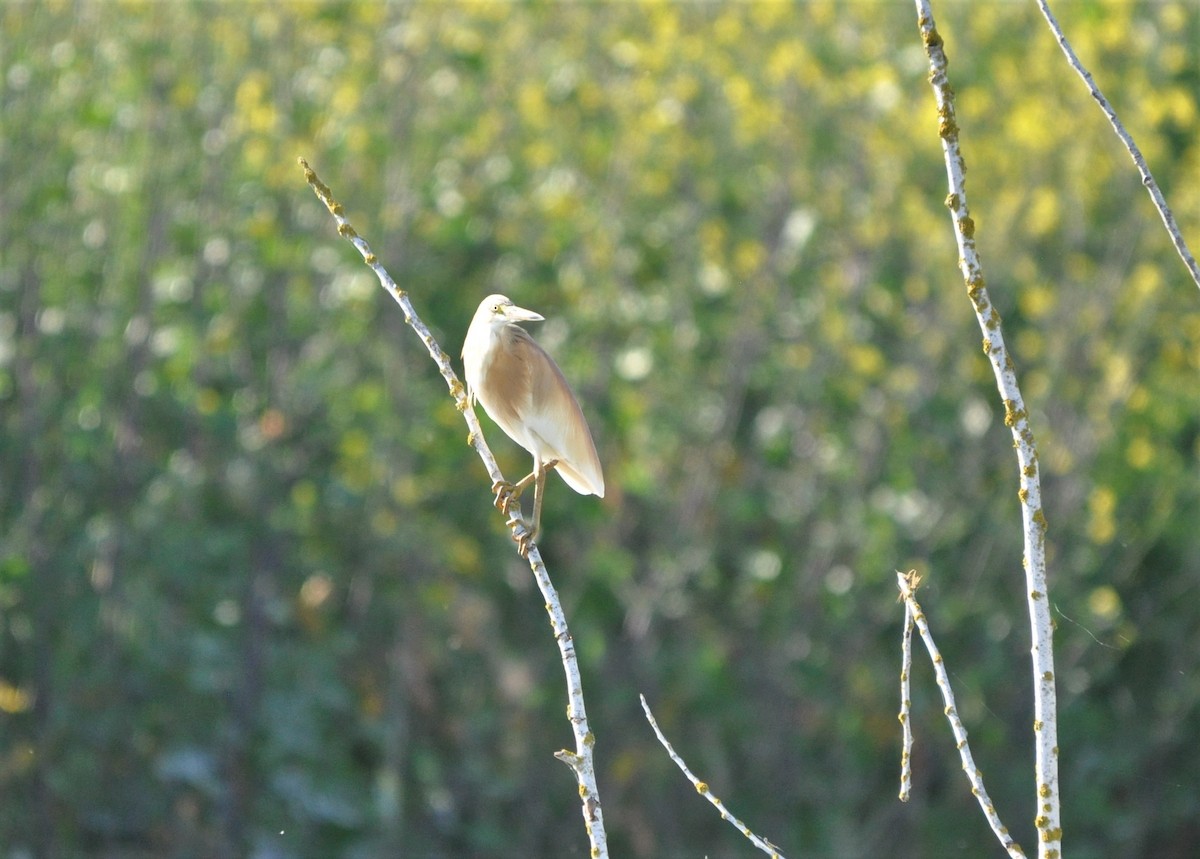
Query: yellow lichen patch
pixel 947 128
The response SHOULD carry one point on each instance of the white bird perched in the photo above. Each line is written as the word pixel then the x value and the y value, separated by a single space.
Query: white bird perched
pixel 525 393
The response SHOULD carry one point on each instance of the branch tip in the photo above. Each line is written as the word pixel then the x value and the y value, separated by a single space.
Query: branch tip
pixel 702 787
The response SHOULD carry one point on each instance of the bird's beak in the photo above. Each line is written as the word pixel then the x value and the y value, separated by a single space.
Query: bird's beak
pixel 520 314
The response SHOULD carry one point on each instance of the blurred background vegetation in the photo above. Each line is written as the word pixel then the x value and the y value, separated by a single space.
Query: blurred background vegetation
pixel 254 600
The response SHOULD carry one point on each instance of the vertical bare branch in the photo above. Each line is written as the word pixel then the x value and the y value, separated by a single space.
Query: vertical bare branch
pixel 913 615
pixel 579 760
pixel 1016 418
pixel 1160 202
pixel 906 705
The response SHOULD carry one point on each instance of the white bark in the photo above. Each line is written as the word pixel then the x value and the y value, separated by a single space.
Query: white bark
pixel 702 788
pixel 906 705
pixel 913 614
pixel 1160 202
pixel 1016 418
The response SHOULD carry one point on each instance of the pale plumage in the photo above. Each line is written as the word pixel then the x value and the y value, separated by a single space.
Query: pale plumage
pixel 525 393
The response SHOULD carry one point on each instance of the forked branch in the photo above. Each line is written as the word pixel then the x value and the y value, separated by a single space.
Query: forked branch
pixel 914 616
pixel 579 760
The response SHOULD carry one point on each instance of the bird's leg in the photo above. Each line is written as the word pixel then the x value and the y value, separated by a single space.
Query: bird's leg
pixel 539 488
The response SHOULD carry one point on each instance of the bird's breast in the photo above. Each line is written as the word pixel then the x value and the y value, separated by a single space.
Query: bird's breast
pixel 498 376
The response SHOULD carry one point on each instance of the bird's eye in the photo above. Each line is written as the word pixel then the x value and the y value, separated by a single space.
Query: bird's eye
pixel 499 308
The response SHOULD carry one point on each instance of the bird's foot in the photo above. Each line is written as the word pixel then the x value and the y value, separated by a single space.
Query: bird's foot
pixel 514 519
pixel 507 493
pixel 525 540
pixel 504 492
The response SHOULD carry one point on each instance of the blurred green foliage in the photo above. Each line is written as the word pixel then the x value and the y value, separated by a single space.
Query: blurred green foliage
pixel 253 597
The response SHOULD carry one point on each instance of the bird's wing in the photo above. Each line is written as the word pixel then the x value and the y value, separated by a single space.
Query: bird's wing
pixel 555 418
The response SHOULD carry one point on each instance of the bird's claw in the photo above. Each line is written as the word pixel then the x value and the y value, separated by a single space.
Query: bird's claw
pixel 525 539
pixel 504 492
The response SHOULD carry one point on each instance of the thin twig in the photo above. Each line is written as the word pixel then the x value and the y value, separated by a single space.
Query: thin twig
pixel 1016 418
pixel 579 760
pixel 1160 202
pixel 906 705
pixel 702 789
pixel 908 584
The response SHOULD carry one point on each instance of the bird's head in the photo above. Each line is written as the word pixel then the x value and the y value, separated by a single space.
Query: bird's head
pixel 496 311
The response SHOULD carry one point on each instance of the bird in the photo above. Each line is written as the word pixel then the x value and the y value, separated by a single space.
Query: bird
pixel 526 394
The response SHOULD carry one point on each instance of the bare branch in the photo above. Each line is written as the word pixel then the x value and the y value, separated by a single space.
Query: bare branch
pixel 580 760
pixel 702 789
pixel 1160 202
pixel 913 615
pixel 1016 418
pixel 906 706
